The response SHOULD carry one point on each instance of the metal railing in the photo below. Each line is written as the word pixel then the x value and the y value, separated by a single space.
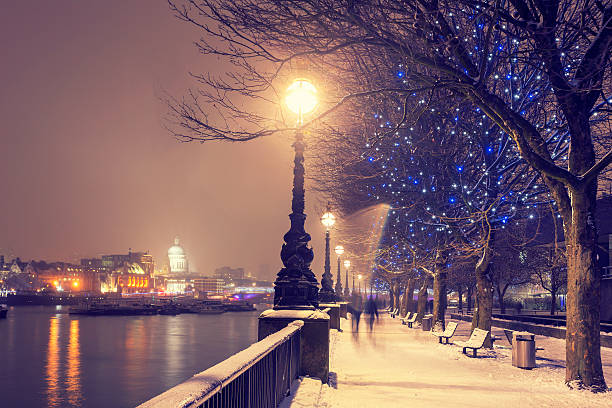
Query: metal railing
pixel 258 376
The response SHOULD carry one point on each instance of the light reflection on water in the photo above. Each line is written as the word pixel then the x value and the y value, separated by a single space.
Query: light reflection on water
pixel 51 359
pixel 73 376
pixel 53 364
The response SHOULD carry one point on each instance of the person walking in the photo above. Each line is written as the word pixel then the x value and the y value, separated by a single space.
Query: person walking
pixel 355 317
pixel 372 311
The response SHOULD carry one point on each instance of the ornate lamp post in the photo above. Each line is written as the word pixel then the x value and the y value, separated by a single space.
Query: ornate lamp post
pixel 359 283
pixel 347 265
pixel 326 294
pixel 296 287
pixel 339 251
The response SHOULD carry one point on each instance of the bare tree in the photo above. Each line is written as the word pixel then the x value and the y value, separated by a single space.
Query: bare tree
pixel 469 49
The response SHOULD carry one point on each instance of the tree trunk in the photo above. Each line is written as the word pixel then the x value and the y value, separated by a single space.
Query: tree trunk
pixel 422 299
pixel 410 298
pixel 553 303
pixel 582 341
pixel 396 293
pixel 406 301
pixel 500 298
pixel 460 293
pixel 391 298
pixel 469 298
pixel 439 295
pixel 484 295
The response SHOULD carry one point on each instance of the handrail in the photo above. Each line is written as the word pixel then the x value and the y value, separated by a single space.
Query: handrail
pixel 203 386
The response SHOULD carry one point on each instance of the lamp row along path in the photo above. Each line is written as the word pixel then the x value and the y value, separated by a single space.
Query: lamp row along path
pixel 397 366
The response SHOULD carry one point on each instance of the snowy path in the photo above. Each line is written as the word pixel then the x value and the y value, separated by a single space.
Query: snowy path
pixel 397 366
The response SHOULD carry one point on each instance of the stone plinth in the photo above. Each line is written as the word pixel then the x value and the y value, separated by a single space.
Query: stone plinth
pixel 343 309
pixel 334 314
pixel 314 342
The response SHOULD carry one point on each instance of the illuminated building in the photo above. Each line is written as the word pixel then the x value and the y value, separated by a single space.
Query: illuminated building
pixel 132 278
pixel 177 259
pixel 177 285
pixel 206 285
pixel 123 273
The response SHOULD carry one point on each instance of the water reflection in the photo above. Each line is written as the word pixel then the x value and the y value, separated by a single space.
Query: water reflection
pixel 73 376
pixel 53 363
pixel 52 359
pixel 136 343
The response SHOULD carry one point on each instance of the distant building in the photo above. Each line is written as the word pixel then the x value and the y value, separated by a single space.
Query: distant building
pixel 123 273
pixel 177 285
pixel 230 275
pixel 177 259
pixel 210 286
pixel 92 262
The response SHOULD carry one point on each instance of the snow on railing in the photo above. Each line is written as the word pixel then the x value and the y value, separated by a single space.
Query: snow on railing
pixel 258 376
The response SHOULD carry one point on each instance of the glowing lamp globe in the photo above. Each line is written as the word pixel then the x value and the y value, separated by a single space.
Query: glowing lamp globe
pixel 301 97
pixel 347 264
pixel 359 276
pixel 339 250
pixel 328 219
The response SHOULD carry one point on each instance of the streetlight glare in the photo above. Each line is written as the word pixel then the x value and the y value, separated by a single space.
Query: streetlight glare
pixel 328 219
pixel 301 97
pixel 339 250
pixel 347 264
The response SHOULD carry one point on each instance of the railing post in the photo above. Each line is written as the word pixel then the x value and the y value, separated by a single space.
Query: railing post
pixel 314 343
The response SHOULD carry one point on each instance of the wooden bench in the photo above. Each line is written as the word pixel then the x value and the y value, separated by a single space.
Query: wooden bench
pixel 447 333
pixel 410 321
pixel 407 317
pixel 394 313
pixel 475 342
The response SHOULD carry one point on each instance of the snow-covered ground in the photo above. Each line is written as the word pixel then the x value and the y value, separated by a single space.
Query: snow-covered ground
pixel 397 366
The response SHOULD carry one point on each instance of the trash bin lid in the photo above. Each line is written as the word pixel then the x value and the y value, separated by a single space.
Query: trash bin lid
pixel 522 336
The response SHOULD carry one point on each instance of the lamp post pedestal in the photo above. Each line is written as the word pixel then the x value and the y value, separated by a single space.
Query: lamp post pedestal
pixel 314 349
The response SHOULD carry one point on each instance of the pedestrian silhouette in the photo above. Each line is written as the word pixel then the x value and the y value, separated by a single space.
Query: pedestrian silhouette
pixel 355 317
pixel 372 311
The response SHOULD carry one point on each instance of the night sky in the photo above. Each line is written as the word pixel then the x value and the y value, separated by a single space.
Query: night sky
pixel 87 168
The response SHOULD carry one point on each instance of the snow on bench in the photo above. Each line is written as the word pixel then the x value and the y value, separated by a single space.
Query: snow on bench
pixel 475 342
pixel 410 321
pixel 405 318
pixel 395 312
pixel 447 333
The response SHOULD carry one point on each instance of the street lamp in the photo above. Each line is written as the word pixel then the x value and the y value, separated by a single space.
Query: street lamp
pixel 301 98
pixel 359 282
pixel 347 265
pixel 296 287
pixel 339 251
pixel 326 294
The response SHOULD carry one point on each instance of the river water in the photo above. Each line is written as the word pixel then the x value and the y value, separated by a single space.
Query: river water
pixel 51 359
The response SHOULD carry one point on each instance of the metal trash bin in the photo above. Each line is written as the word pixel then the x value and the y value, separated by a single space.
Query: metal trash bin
pixel 523 350
pixel 426 323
